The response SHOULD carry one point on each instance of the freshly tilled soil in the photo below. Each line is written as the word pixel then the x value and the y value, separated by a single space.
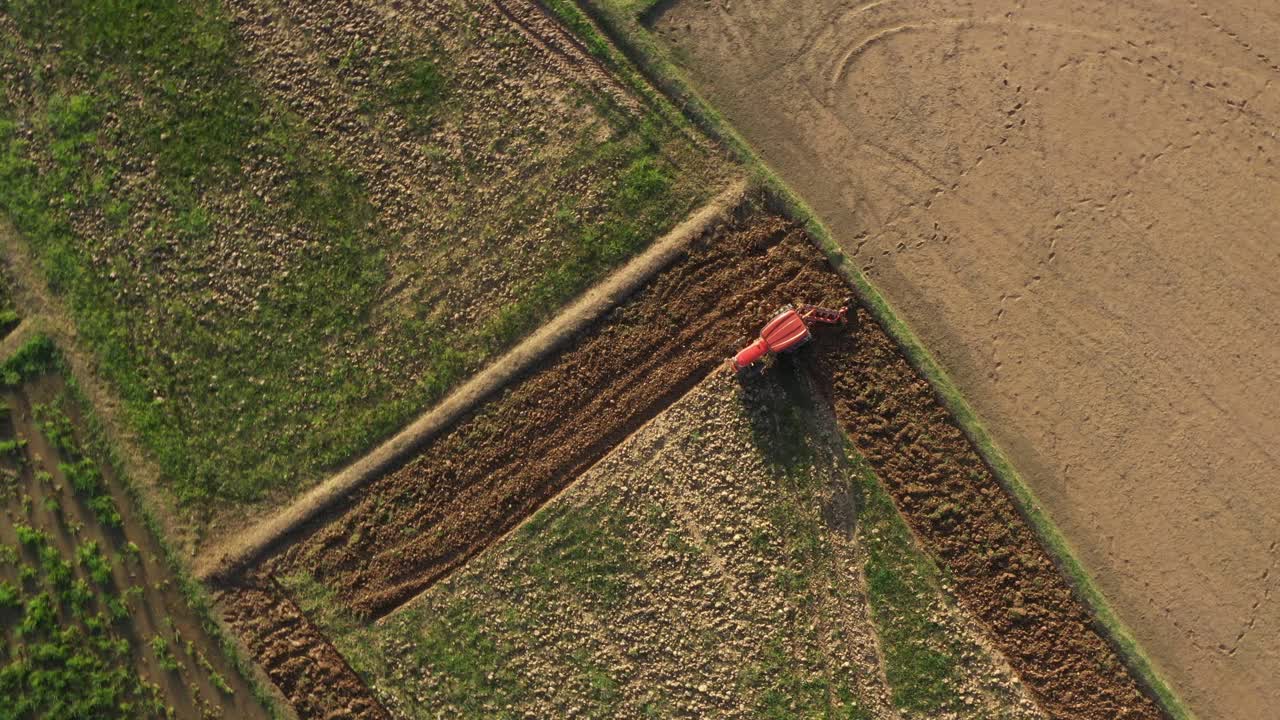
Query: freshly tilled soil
pixel 298 658
pixel 405 531
pixel 408 529
pixel 953 502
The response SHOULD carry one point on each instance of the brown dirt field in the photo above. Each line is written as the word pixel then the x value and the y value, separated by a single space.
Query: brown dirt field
pixel 957 507
pixel 405 531
pixel 736 515
pixel 1074 205
pixel 297 657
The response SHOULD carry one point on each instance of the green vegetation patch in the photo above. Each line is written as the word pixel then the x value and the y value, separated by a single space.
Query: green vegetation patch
pixel 260 319
pixel 922 660
pixel 94 625
pixel 9 317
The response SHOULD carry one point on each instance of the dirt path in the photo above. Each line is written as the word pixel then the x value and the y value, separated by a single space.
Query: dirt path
pixel 1074 205
pixel 244 547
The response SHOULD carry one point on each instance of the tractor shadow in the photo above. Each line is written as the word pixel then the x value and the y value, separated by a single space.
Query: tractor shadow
pixel 795 428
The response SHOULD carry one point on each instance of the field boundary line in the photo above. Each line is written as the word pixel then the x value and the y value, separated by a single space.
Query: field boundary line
pixel 574 483
pixel 629 33
pixel 247 546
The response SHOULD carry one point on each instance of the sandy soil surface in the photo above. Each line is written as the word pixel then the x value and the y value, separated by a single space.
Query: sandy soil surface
pixel 1074 205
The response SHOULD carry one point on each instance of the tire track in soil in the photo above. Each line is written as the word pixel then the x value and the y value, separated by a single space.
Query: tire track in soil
pixel 408 529
pixel 546 33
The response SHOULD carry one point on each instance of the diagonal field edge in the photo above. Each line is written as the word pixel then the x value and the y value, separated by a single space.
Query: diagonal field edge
pixel 630 33
pixel 248 546
pixel 528 518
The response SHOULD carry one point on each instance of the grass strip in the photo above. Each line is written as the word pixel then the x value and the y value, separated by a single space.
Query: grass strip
pixel 622 19
pixel 921 662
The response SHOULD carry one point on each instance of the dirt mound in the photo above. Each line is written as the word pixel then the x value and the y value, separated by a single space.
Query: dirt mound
pixel 296 656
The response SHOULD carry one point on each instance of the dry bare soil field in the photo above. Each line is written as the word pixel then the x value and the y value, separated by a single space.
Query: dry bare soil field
pixel 1075 205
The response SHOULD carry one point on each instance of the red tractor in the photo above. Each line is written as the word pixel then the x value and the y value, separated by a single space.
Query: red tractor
pixel 787 330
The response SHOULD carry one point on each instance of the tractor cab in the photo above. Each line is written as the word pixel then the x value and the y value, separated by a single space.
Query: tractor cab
pixel 788 330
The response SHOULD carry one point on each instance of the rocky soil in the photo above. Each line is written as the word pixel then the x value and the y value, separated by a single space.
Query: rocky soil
pixel 710 602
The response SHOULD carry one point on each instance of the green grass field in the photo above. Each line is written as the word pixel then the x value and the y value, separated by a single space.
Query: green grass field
pixel 259 331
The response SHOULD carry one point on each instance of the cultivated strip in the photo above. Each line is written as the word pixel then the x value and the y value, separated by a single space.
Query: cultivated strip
pixel 413 526
pixel 249 545
pixel 951 500
pixel 297 657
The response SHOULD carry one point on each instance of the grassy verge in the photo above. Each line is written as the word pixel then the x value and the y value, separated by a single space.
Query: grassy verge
pixel 9 317
pixel 85 438
pixel 623 20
